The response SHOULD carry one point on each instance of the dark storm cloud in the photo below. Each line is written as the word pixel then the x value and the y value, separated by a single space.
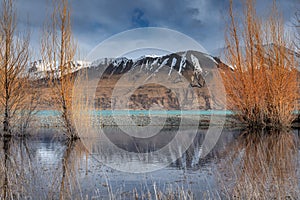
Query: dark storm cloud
pixel 96 20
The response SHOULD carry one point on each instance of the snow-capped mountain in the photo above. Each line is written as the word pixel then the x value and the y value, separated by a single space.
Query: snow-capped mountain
pixel 102 61
pixel 39 69
pixel 182 68
pixel 177 63
pixel 39 66
pixel 194 67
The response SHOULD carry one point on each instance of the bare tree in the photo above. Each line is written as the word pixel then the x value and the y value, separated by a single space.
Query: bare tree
pixel 262 88
pixel 14 55
pixel 297 26
pixel 58 49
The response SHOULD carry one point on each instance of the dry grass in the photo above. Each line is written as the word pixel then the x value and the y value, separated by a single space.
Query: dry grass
pixel 263 88
pixel 82 106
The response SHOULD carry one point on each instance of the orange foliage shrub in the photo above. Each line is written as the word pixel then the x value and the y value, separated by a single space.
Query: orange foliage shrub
pixel 262 90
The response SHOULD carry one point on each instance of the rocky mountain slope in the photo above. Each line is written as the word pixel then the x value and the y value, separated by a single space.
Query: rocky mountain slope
pixel 175 81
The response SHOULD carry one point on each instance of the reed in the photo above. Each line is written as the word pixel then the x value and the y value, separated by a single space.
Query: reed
pixel 262 89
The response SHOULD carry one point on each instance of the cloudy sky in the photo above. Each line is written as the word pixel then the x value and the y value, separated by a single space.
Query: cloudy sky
pixel 96 20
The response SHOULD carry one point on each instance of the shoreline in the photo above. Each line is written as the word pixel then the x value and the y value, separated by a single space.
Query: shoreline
pixel 50 119
pixel 202 121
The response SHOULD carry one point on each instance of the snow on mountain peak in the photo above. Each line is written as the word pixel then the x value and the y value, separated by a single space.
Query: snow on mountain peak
pixel 173 64
pixel 182 62
pixel 146 56
pixel 102 61
pixel 119 61
pixel 151 56
pixel 177 62
pixel 196 63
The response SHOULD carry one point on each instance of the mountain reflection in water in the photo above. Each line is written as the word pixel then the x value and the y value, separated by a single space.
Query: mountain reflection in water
pixel 263 165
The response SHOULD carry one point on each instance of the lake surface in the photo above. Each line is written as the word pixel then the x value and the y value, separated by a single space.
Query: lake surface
pixel 241 164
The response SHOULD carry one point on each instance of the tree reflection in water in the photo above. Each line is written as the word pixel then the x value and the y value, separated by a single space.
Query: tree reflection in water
pixel 20 174
pixel 257 165
pixel 69 184
pixel 261 165
pixel 14 169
